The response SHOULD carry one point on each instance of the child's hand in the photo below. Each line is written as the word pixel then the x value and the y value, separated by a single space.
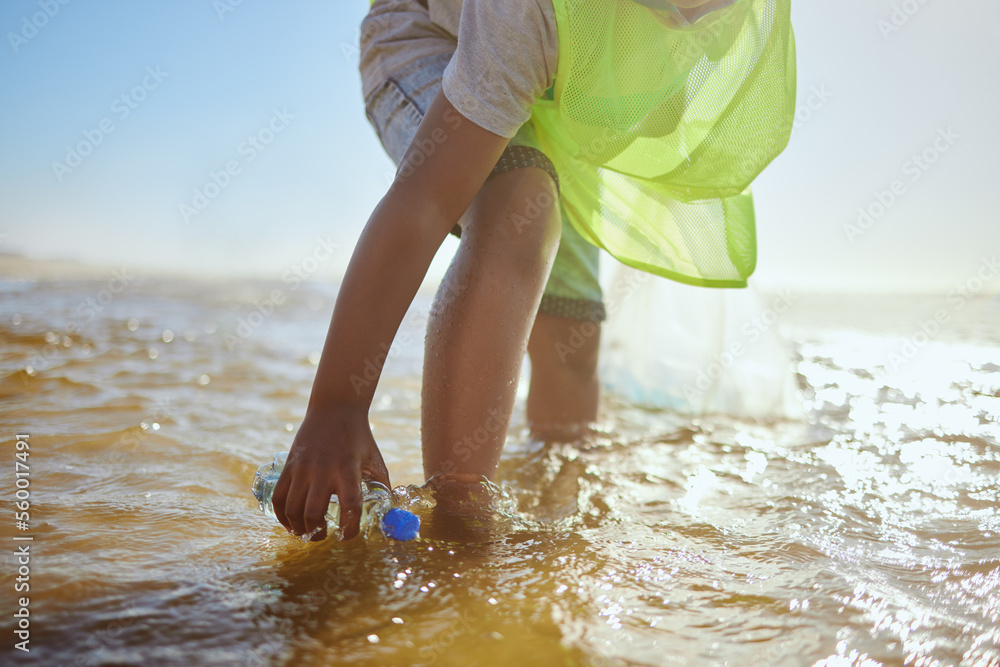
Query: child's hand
pixel 332 453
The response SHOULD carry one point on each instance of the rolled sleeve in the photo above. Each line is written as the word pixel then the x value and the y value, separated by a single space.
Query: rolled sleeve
pixel 505 60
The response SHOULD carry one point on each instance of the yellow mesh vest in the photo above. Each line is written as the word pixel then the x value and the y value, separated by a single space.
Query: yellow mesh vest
pixel 657 132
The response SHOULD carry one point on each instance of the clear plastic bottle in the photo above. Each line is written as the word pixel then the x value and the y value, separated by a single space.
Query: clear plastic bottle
pixel 377 508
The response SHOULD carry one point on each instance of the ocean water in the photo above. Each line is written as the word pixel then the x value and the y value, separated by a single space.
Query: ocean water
pixel 865 531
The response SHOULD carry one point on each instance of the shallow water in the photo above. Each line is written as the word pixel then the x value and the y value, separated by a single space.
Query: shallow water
pixel 866 533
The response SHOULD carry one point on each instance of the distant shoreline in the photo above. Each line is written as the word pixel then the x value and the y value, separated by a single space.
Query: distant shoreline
pixel 17 267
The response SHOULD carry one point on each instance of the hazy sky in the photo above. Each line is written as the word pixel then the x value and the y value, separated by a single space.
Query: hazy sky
pixel 271 90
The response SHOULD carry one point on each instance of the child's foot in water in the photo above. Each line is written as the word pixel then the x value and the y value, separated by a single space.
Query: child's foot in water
pixel 466 508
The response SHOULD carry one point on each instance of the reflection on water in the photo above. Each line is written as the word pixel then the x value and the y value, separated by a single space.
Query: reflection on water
pixel 867 534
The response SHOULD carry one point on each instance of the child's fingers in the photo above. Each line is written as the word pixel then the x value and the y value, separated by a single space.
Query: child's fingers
pixel 279 499
pixel 349 495
pixel 314 512
pixel 295 501
pixel 375 469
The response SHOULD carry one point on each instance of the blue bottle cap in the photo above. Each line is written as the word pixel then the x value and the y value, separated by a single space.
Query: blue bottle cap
pixel 400 524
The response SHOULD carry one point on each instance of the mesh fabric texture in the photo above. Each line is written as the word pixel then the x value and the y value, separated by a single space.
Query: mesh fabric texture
pixel 657 131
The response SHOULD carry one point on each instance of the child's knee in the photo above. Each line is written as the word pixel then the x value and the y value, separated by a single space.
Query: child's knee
pixel 534 208
pixel 525 219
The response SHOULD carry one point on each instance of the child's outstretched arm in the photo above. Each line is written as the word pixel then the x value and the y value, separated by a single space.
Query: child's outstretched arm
pixel 438 177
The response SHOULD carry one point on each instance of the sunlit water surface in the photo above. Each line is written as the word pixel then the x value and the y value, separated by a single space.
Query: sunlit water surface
pixel 867 533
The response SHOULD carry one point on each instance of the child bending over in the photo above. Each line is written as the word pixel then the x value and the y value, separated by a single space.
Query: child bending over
pixel 537 131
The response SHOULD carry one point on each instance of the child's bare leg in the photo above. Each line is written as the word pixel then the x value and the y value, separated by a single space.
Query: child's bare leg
pixel 564 391
pixel 478 331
